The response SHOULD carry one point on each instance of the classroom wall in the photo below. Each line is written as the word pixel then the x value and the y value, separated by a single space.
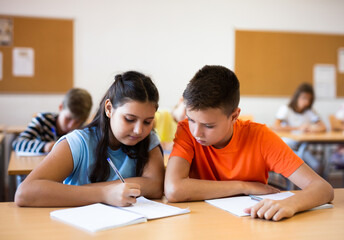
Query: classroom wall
pixel 168 40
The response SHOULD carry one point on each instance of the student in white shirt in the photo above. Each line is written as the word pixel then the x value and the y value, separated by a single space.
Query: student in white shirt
pixel 299 115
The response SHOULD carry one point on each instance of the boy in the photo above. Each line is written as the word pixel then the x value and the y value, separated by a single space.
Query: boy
pixel 44 129
pixel 216 155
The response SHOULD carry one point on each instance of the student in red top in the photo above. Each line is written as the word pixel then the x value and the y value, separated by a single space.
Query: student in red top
pixel 217 155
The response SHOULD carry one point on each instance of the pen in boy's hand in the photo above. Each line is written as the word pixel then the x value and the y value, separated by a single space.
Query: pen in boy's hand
pixel 116 170
pixel 256 198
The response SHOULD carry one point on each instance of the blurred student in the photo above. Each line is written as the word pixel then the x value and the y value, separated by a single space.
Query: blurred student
pixel 337 157
pixel 299 116
pixel 178 111
pixel 45 128
pixel 217 155
pixel 165 124
pixel 77 172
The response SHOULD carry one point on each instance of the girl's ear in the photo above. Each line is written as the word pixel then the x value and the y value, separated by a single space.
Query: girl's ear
pixel 108 108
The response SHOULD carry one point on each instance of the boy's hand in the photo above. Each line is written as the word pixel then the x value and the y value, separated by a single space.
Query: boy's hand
pixel 271 210
pixel 48 146
pixel 259 188
pixel 121 194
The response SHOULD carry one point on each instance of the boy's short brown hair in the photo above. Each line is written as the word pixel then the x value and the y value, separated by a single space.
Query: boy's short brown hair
pixel 79 102
pixel 213 87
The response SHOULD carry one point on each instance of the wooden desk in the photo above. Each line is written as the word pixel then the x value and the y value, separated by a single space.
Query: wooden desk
pixel 326 137
pixel 204 222
pixel 15 129
pixel 24 165
pixel 20 165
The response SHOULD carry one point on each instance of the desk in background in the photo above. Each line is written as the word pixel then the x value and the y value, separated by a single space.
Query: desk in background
pixel 327 139
pixel 23 165
pixel 2 166
pixel 204 222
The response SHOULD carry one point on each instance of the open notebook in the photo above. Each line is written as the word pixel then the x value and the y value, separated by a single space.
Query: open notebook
pixel 236 205
pixel 98 216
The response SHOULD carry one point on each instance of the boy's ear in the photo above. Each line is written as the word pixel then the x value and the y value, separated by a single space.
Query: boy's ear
pixel 235 114
pixel 60 107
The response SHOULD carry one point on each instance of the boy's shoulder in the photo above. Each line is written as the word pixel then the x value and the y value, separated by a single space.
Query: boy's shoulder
pixel 249 129
pixel 47 115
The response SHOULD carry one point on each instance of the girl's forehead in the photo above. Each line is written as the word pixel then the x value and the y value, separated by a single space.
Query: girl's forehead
pixel 138 108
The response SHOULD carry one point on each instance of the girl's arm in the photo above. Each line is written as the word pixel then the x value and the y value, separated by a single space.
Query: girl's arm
pixel 316 127
pixel 44 187
pixel 279 127
pixel 152 179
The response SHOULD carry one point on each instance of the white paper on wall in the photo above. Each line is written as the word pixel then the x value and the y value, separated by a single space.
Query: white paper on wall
pixel 324 79
pixel 341 60
pixel 23 62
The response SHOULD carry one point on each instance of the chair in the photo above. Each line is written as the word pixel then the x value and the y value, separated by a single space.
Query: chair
pixel 335 123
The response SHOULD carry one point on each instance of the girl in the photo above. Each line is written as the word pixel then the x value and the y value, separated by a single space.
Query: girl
pixel 299 116
pixel 76 171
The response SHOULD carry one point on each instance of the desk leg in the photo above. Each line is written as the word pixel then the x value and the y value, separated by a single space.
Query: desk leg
pixel 2 171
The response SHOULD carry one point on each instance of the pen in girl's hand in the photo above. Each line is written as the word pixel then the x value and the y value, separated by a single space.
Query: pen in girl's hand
pixel 116 170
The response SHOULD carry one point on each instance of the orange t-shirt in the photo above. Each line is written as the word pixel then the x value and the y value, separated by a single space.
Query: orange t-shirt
pixel 253 151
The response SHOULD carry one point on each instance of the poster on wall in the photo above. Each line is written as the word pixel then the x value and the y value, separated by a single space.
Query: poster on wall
pixel 324 79
pixel 6 31
pixel 341 60
pixel 23 62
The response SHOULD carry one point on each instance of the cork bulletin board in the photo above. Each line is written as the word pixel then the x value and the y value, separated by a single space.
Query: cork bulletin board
pixel 275 63
pixel 36 55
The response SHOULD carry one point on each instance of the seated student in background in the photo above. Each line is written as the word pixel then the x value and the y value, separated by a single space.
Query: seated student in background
pixel 337 157
pixel 178 112
pixel 298 115
pixel 76 172
pixel 217 155
pixel 165 124
pixel 45 128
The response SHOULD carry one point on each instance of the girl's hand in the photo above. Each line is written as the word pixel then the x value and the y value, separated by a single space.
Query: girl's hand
pixel 305 127
pixel 121 194
pixel 271 210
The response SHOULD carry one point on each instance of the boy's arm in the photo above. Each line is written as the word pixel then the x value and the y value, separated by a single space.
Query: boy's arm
pixel 179 187
pixel 33 139
pixel 315 191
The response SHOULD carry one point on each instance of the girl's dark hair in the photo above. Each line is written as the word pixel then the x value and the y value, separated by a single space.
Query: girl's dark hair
pixel 303 88
pixel 129 86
